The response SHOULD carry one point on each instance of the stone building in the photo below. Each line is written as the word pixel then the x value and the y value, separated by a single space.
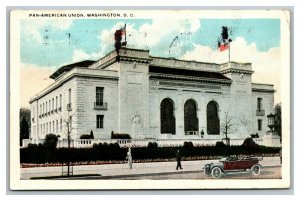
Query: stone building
pixel 152 98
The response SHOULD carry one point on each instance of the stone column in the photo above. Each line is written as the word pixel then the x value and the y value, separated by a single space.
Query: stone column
pixel 179 115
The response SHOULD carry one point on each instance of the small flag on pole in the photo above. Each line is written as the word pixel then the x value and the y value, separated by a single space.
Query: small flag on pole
pixel 223 47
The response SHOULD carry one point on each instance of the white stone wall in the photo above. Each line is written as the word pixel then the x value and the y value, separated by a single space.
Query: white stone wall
pixel 86 114
pixel 45 117
pixel 267 106
pixel 133 93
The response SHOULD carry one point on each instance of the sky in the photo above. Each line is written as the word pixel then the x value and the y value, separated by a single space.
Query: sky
pixel 48 44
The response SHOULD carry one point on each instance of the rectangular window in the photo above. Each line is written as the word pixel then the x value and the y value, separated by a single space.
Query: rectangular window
pixel 56 126
pixel 52 103
pixel 53 125
pixel 49 127
pixel 60 100
pixel 46 107
pixel 259 104
pixel 60 125
pixel 41 109
pixel 56 102
pixel 70 100
pixel 259 124
pixel 49 106
pixel 99 95
pixel 100 121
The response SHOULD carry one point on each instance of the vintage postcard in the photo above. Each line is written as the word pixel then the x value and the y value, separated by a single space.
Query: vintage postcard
pixel 149 99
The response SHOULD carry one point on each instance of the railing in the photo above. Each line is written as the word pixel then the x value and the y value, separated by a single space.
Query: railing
pixel 69 106
pixel 260 112
pixel 88 143
pixel 97 106
pixel 192 132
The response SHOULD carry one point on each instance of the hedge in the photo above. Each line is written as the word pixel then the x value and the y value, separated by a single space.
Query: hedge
pixel 110 152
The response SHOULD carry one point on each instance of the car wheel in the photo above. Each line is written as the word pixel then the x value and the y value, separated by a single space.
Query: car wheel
pixel 255 169
pixel 216 172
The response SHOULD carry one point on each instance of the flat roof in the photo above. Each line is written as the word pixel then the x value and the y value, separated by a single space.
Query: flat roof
pixel 61 70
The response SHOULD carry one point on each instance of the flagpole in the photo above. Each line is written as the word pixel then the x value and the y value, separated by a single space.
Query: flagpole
pixel 229 51
pixel 125 33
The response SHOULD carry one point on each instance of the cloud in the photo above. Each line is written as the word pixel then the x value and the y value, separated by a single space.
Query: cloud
pixel 33 79
pixel 265 64
pixel 149 35
pixel 80 55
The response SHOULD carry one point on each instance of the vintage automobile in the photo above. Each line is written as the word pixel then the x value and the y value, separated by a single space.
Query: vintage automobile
pixel 233 165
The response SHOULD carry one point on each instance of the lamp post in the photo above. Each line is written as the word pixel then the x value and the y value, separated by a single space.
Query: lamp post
pixel 271 121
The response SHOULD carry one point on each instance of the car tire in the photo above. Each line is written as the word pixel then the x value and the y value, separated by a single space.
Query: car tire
pixel 216 172
pixel 255 169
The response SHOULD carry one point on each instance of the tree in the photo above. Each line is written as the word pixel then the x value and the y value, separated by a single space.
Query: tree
pixel 277 122
pixel 24 124
pixel 227 126
pixel 70 127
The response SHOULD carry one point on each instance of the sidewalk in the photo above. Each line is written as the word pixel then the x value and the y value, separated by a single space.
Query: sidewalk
pixel 138 168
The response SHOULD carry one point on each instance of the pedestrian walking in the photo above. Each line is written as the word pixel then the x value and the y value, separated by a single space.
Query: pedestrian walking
pixel 129 158
pixel 178 158
pixel 202 133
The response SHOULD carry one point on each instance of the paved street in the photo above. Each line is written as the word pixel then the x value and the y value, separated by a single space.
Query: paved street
pixel 156 170
pixel 266 173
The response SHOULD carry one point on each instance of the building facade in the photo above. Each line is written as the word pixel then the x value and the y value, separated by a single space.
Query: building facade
pixel 152 98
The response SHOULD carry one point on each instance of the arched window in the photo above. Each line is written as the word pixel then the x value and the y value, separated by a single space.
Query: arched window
pixel 190 117
pixel 167 117
pixel 213 121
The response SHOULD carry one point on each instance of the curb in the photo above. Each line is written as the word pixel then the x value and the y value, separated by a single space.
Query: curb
pixel 94 177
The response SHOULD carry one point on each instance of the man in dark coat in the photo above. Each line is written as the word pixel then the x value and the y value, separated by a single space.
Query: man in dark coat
pixel 178 158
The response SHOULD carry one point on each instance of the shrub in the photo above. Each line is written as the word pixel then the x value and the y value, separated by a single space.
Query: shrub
pixel 104 145
pixel 152 145
pixel 249 144
pixel 105 152
pixel 220 144
pixel 113 145
pixel 120 136
pixel 85 137
pixel 92 135
pixel 51 141
pixel 188 144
